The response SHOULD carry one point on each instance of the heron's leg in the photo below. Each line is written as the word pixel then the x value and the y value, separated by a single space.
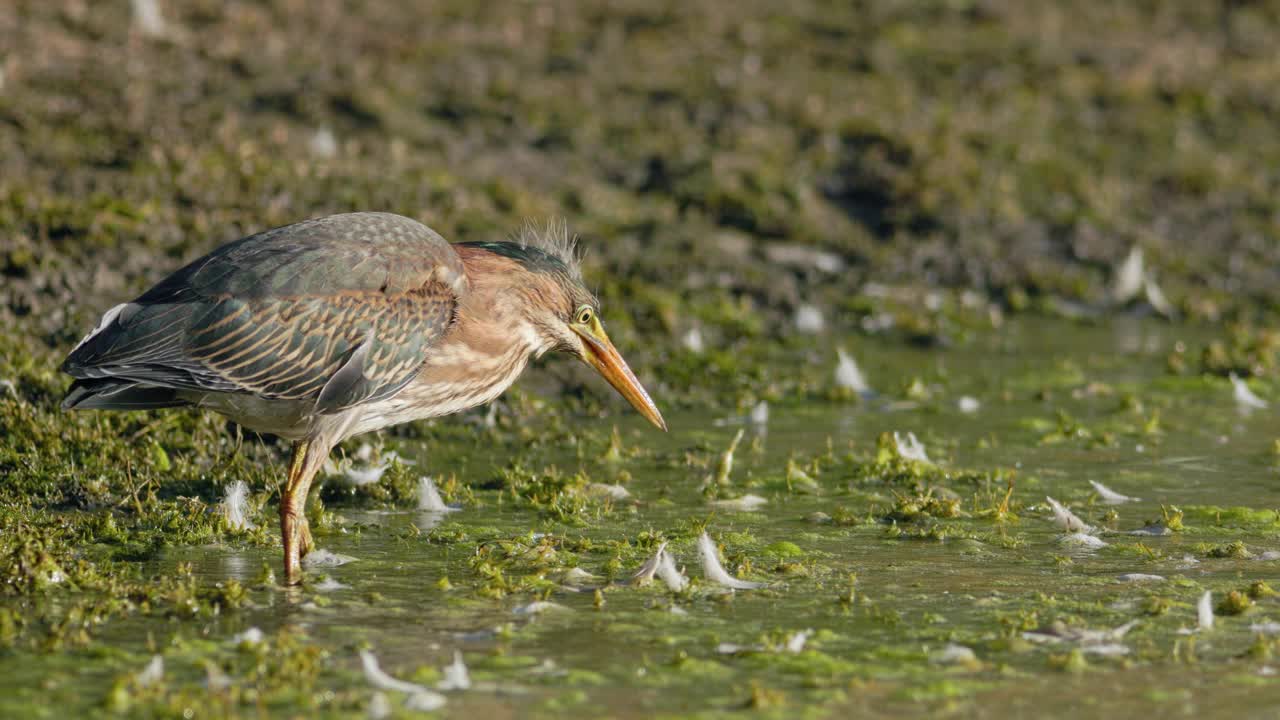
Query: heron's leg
pixel 305 544
pixel 293 499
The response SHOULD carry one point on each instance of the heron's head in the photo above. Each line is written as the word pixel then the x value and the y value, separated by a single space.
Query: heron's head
pixel 565 315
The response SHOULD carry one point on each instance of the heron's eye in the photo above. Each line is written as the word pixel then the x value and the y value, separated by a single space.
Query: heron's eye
pixel 585 313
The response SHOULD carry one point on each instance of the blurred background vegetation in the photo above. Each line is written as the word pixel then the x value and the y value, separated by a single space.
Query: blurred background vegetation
pixel 724 162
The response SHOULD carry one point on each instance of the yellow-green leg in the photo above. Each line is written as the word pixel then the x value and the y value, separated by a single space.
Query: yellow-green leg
pixel 294 530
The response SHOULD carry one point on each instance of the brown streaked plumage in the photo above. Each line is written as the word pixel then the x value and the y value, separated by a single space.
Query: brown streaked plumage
pixel 341 325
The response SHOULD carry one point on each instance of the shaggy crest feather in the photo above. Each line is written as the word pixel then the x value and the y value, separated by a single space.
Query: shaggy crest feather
pixel 554 239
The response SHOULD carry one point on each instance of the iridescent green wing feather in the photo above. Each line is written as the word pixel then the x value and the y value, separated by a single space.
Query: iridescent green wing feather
pixel 340 310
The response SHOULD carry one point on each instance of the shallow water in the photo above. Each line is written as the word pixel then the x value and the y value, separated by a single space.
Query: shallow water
pixel 920 585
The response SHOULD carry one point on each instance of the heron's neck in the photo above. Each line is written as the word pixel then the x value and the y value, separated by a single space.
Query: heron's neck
pixel 487 346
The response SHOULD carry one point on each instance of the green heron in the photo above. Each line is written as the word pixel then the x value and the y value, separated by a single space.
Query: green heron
pixel 340 325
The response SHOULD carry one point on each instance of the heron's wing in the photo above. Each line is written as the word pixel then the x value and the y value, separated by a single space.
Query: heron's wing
pixel 340 310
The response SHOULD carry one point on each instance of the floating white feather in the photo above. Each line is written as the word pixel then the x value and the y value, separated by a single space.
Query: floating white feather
pixel 235 506
pixel 325 558
pixel 379 707
pixel 1244 396
pixel 796 641
pixel 429 499
pixel 910 448
pixel 456 676
pixel 1109 496
pixel 614 491
pixel 1082 540
pixel 692 341
pixel 715 572
pixel 1204 611
pixel 252 636
pixel 746 503
pixel 953 654
pixel 378 678
pixel 153 673
pixel 538 607
pixel 674 579
pixel 1066 519
pixel 848 375
pixel 809 320
pixel 1127 282
pixel 645 574
pixel 358 476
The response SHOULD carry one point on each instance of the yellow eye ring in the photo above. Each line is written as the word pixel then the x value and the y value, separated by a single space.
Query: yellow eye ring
pixel 584 315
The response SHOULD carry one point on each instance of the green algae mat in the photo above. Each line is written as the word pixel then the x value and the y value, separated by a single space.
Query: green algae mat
pixel 894 551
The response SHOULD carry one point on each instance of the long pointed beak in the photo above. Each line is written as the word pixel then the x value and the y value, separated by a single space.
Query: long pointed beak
pixel 604 357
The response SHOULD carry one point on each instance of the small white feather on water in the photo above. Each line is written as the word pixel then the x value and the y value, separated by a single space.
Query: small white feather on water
pixel 953 654
pixel 1082 540
pixel 1066 519
pixel 1128 279
pixel 1106 650
pixel 663 566
pixel 670 575
pixel 728 648
pixel 577 576
pixel 456 676
pixel 365 475
pixel 746 503
pixel 153 673
pixel 760 413
pixel 848 375
pixel 420 697
pixel 968 405
pixel 614 491
pixel 235 506
pixel 540 606
pixel 1156 298
pixel 1204 611
pixel 1059 633
pixel 252 636
pixel 1244 396
pixel 692 341
pixel 645 574
pixel 325 558
pixel 146 15
pixel 1109 496
pixel 809 320
pixel 796 641
pixel 910 448
pixel 429 499
pixel 1140 577
pixel 715 572
pixel 424 702
pixel 328 584
pixel 379 707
